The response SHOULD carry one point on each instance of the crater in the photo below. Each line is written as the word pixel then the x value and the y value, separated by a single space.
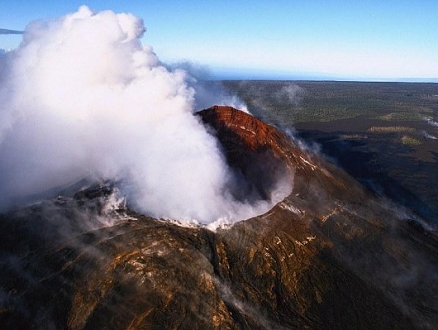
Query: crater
pixel 255 151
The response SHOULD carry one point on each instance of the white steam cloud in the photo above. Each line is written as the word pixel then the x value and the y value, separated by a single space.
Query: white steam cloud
pixel 82 97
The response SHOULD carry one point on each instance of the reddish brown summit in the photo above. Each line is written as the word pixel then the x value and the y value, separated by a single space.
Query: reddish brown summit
pixel 242 135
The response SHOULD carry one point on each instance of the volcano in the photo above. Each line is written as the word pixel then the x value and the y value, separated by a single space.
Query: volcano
pixel 330 255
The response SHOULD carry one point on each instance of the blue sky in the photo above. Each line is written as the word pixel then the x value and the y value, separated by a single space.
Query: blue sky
pixel 366 40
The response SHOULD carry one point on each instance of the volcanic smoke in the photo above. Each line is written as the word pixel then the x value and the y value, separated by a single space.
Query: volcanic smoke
pixel 81 97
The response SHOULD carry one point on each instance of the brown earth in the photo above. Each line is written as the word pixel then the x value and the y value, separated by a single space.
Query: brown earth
pixel 330 256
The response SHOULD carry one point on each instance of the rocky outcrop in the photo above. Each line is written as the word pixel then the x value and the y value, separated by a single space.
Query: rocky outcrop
pixel 329 256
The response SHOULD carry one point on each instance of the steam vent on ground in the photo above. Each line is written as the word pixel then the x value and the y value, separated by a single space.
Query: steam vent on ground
pixel 327 255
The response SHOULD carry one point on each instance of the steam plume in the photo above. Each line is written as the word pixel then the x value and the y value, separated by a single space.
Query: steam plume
pixel 82 97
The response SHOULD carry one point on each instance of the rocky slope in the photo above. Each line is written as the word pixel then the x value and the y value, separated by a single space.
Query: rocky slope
pixel 330 256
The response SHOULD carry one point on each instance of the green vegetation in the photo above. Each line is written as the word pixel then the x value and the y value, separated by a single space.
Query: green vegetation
pixel 410 141
pixel 353 136
pixel 391 129
pixel 319 101
pixel 403 116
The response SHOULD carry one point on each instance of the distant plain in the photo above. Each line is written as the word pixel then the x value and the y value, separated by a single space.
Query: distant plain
pixel 383 134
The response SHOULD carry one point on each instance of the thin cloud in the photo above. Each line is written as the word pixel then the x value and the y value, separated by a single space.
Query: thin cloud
pixel 6 31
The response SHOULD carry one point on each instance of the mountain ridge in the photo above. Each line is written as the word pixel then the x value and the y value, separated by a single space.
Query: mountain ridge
pixel 329 256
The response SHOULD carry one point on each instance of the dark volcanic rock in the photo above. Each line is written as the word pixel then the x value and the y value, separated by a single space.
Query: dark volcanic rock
pixel 329 256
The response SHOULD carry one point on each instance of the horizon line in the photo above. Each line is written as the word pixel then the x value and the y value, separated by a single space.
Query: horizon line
pixel 323 79
pixel 227 73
